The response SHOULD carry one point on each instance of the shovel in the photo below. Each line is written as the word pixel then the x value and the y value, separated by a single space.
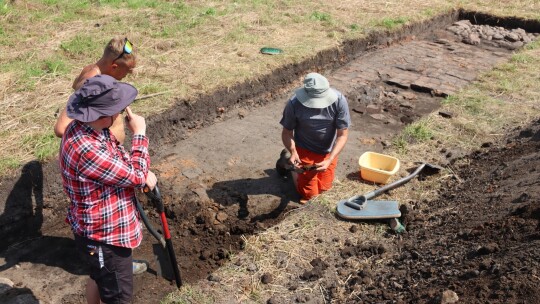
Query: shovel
pixel 362 207
pixel 165 240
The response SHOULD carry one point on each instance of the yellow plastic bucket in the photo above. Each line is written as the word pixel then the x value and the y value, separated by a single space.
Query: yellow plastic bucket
pixel 377 168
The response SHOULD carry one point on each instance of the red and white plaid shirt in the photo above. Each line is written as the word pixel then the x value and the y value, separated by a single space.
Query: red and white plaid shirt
pixel 100 178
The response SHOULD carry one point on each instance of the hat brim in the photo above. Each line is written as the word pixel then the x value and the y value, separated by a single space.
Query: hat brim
pixel 318 102
pixel 125 94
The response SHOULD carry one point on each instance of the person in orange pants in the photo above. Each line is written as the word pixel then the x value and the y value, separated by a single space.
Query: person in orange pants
pixel 315 129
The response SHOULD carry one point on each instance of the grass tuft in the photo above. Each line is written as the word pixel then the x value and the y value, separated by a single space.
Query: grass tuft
pixel 189 295
pixel 9 163
pixel 44 145
pixel 4 8
pixel 82 46
pixel 210 11
pixel 417 132
pixel 320 16
pixel 55 66
pixel 391 23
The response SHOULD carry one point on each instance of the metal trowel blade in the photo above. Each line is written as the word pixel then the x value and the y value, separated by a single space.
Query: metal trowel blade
pixel 370 210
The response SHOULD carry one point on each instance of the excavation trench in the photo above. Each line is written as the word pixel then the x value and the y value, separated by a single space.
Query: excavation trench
pixel 214 155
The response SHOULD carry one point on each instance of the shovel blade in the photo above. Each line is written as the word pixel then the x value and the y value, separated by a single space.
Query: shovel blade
pixel 162 262
pixel 370 210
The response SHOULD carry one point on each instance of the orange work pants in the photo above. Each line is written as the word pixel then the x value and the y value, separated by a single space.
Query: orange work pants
pixel 313 183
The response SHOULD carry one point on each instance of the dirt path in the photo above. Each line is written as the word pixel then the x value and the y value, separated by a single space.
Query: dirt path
pixel 219 183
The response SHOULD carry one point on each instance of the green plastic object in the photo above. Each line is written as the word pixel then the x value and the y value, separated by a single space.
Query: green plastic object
pixel 271 51
pixel 397 226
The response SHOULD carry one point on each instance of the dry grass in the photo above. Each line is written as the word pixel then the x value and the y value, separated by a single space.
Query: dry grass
pixel 185 48
pixel 282 251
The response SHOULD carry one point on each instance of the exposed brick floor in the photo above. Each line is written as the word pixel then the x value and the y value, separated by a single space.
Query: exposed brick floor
pixel 442 66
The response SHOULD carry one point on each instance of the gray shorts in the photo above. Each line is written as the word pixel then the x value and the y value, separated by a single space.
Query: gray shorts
pixel 111 267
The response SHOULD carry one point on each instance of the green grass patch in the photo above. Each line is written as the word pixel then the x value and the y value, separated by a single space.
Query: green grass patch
pixel 472 104
pixel 533 45
pixel 178 19
pixel 55 66
pixel 150 88
pixel 177 10
pixel 30 71
pixel 416 132
pixel 320 16
pixel 64 11
pixel 4 7
pixel 505 68
pixel 391 23
pixel 81 45
pixel 9 163
pixel 400 144
pixel 138 4
pixel 44 145
pixel 165 32
pixel 504 79
pixel 522 58
pixel 210 12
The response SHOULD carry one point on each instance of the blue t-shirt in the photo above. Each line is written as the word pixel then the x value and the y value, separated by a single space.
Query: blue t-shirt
pixel 315 129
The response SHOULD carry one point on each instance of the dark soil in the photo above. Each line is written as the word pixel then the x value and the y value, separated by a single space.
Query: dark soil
pixel 480 240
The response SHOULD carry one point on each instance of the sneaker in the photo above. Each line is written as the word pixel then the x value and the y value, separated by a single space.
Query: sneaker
pixel 139 267
pixel 282 164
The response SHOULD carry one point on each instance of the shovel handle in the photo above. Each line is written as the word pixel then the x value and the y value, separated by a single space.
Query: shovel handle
pixel 155 197
pixel 356 202
pixel 395 184
pixel 148 225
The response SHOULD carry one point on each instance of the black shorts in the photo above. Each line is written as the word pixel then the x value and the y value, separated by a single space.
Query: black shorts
pixel 111 267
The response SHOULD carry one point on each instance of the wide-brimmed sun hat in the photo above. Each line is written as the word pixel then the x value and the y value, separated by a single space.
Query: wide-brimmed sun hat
pixel 100 96
pixel 316 92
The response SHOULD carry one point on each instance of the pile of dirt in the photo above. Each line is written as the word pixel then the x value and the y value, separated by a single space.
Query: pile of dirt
pixel 478 243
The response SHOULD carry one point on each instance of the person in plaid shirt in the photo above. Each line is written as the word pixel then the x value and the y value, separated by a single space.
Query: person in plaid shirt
pixel 100 179
pixel 118 60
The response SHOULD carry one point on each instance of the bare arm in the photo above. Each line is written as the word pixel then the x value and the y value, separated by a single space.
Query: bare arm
pixel 287 136
pixel 341 140
pixel 88 71
pixel 61 123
